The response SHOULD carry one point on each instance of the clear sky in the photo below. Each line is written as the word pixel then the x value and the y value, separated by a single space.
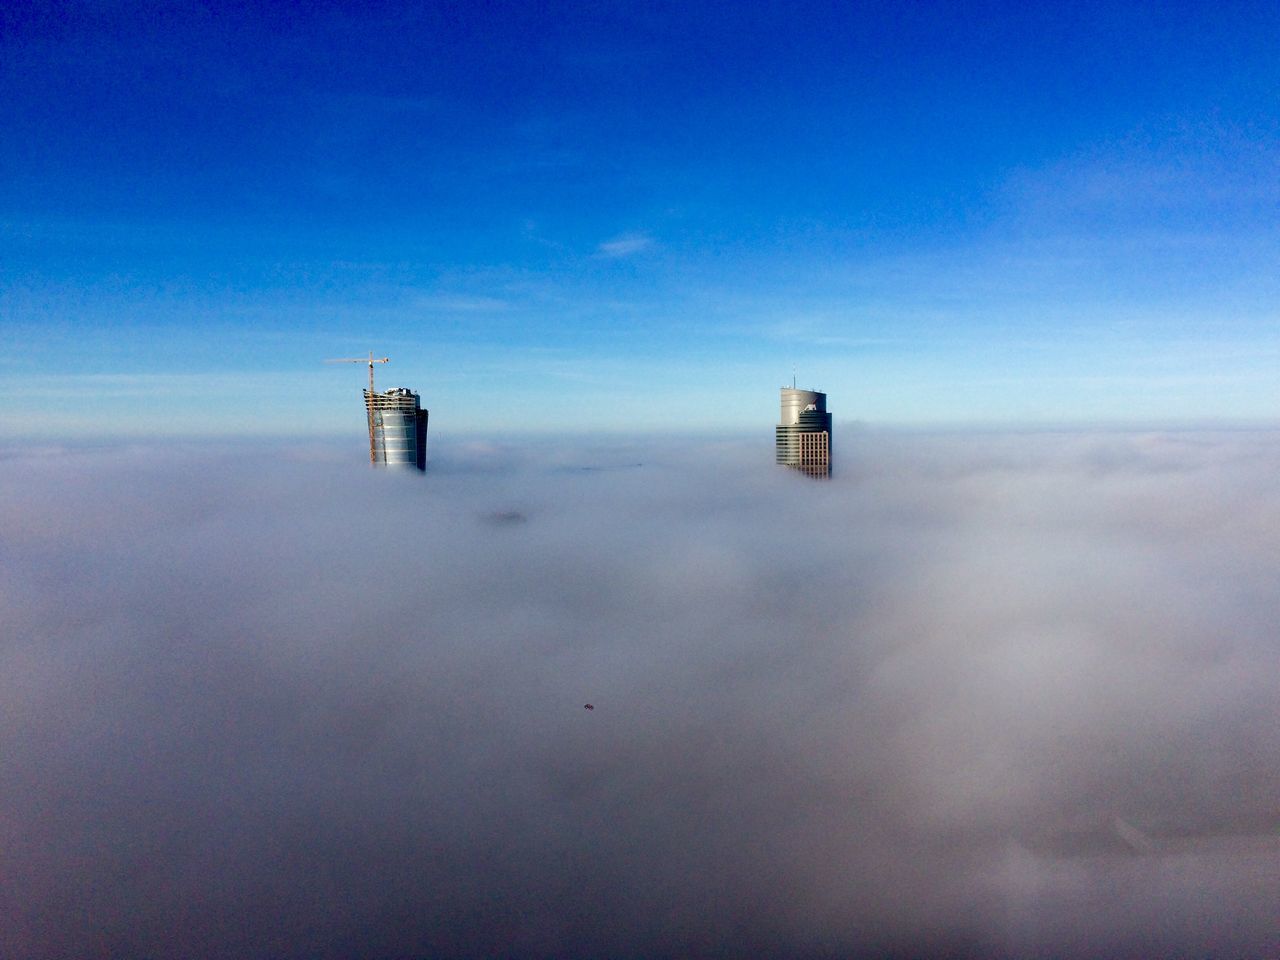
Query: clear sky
pixel 625 216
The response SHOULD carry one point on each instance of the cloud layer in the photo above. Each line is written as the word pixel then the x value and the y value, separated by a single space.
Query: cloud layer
pixel 264 702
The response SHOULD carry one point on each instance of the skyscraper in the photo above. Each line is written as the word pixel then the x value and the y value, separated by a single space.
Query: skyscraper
pixel 803 437
pixel 397 428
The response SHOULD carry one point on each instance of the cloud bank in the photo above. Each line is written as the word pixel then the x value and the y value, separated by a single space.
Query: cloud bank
pixel 266 702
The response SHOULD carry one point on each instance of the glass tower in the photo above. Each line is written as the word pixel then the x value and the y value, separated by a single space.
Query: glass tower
pixel 397 428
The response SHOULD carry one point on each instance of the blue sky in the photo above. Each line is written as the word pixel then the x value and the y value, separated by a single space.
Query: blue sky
pixel 627 216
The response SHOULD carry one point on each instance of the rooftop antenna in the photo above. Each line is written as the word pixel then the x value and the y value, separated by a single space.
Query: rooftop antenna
pixel 373 447
pixel 793 378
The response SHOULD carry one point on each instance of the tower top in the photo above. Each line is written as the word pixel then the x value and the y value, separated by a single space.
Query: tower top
pixel 795 401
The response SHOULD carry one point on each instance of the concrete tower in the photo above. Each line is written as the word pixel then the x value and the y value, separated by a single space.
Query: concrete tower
pixel 803 434
pixel 397 428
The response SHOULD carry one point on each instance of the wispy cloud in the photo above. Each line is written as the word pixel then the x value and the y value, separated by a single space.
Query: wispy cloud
pixel 461 303
pixel 625 245
pixel 1196 182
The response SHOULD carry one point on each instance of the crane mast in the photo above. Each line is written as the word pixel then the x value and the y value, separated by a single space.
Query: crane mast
pixel 373 445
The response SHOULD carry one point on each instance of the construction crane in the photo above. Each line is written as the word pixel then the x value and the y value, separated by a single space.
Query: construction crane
pixel 373 446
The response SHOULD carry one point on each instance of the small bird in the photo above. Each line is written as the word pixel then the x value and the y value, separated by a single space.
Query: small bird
pixel 588 706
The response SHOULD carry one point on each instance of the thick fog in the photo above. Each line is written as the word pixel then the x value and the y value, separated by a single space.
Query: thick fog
pixel 978 695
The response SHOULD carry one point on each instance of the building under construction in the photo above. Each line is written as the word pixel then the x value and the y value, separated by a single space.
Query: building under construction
pixel 397 422
pixel 803 437
pixel 397 428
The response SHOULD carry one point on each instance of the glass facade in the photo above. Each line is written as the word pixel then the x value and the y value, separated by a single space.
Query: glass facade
pixel 397 429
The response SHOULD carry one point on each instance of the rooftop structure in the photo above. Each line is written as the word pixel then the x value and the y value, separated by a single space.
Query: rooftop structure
pixel 803 435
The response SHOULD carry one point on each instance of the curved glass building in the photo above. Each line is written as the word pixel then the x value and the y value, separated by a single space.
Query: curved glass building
pixel 397 428
pixel 803 435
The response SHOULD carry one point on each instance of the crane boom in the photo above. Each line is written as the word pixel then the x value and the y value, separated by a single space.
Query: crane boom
pixel 370 361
